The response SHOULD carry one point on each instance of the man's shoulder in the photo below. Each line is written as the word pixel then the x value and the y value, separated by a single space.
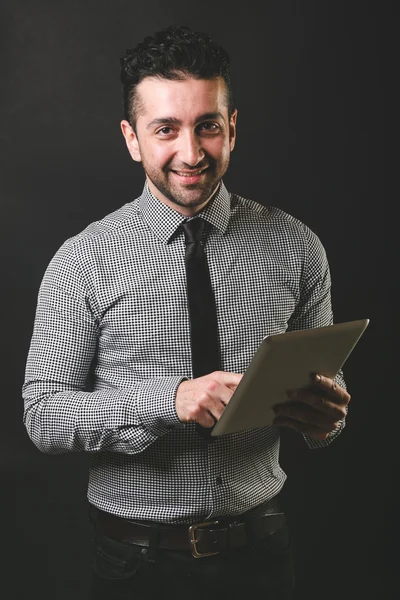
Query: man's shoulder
pixel 116 223
pixel 264 213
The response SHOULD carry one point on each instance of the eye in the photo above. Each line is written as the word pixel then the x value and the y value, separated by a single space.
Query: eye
pixel 164 131
pixel 210 127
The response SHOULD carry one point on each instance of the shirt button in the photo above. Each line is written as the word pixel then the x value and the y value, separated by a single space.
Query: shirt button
pixel 218 480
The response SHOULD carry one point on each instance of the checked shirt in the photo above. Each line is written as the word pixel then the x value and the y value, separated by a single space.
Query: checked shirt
pixel 111 344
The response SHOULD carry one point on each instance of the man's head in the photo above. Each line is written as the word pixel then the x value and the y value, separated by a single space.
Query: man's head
pixel 180 121
pixel 175 53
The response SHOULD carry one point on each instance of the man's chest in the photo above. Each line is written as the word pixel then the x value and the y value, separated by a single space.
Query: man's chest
pixel 144 314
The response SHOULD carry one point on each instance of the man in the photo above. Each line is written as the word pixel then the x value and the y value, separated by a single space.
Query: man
pixel 173 509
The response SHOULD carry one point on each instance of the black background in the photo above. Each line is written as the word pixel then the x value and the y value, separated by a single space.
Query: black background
pixel 313 84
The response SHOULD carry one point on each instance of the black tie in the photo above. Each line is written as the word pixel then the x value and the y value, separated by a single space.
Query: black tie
pixel 201 303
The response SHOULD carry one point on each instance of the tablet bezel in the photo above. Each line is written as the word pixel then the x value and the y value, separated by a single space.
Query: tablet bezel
pixel 285 362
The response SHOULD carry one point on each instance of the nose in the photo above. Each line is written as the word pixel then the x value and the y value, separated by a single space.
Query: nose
pixel 190 150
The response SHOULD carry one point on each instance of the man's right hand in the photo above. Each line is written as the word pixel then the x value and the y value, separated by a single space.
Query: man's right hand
pixel 203 400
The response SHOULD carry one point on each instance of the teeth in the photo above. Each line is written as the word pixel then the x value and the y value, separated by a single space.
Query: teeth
pixel 189 174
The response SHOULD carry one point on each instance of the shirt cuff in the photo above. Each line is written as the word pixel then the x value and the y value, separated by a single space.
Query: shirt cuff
pixel 156 404
pixel 313 443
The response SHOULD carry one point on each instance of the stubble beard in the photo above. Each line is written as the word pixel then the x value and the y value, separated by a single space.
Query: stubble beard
pixel 188 198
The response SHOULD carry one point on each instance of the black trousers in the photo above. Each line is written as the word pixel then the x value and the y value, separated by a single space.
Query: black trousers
pixel 263 569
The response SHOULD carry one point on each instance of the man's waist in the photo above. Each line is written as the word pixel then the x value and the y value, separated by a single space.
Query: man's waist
pixel 202 538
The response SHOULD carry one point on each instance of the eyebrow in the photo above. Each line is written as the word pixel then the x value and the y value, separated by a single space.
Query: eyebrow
pixel 174 121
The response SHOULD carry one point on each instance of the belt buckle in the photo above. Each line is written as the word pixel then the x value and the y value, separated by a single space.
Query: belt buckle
pixel 193 541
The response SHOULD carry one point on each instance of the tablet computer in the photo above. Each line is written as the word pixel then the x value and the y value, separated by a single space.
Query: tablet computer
pixel 285 362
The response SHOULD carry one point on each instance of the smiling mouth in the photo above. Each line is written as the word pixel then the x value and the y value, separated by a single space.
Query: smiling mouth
pixel 191 173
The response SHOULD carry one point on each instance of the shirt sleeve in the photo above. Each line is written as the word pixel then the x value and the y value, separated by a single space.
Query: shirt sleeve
pixel 61 413
pixel 314 308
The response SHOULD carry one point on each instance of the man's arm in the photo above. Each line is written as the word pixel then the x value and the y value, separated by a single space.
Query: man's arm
pixel 314 309
pixel 60 415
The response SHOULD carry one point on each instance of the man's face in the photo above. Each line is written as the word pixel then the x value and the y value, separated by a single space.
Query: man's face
pixel 183 138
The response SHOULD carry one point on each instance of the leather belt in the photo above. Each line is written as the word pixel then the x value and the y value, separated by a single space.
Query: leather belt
pixel 201 539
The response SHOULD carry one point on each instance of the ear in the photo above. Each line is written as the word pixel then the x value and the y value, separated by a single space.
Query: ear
pixel 232 129
pixel 131 141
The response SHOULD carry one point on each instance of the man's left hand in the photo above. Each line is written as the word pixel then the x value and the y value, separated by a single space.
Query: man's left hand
pixel 314 411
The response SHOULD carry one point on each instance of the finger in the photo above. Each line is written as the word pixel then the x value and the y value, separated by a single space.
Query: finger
pixel 207 419
pixel 215 392
pixel 214 419
pixel 226 378
pixel 217 410
pixel 304 413
pixel 214 413
pixel 319 402
pixel 232 387
pixel 211 403
pixel 331 388
pixel 304 428
pixel 219 386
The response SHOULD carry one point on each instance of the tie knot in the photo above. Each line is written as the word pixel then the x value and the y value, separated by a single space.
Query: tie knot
pixel 193 230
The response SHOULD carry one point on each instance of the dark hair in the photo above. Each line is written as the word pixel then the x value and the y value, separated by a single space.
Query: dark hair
pixel 175 53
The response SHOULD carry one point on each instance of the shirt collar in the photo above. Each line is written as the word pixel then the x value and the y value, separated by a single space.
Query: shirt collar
pixel 164 220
